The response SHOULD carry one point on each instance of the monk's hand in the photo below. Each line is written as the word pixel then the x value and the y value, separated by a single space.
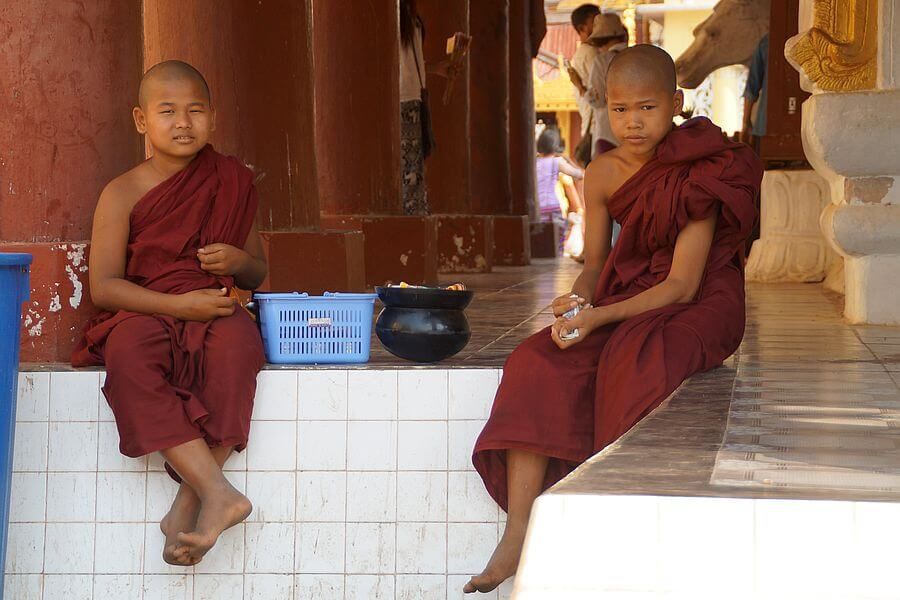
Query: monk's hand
pixel 205 305
pixel 584 322
pixel 221 259
pixel 565 303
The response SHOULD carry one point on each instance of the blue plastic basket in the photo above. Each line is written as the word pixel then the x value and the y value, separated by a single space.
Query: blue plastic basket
pixel 302 329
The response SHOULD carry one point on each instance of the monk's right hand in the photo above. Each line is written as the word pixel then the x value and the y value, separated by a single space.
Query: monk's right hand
pixel 205 305
pixel 564 304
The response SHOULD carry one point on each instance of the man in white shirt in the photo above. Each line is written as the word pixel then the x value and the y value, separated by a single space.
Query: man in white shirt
pixel 608 37
pixel 583 60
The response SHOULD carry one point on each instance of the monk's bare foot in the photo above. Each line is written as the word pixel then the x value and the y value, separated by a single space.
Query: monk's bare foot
pixel 502 565
pixel 219 511
pixel 181 517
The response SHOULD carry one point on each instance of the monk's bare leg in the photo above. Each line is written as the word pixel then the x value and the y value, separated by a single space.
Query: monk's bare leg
pixel 525 477
pixel 182 516
pixel 221 506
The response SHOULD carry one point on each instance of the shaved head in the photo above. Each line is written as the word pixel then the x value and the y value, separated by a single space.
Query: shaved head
pixel 171 71
pixel 646 64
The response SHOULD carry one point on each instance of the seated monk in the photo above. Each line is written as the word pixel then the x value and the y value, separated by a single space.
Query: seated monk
pixel 666 302
pixel 171 237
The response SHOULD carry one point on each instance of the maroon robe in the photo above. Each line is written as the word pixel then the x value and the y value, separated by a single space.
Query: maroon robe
pixel 170 381
pixel 570 404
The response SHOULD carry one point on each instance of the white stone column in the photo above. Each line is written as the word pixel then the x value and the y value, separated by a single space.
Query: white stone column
pixel 848 54
pixel 791 247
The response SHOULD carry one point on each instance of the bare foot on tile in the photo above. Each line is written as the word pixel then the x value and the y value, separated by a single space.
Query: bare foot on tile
pixel 502 565
pixel 218 512
pixel 181 517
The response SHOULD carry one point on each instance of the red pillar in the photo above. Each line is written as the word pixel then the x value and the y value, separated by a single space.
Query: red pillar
pixel 521 107
pixel 489 131
pixel 257 58
pixel 70 73
pixel 357 78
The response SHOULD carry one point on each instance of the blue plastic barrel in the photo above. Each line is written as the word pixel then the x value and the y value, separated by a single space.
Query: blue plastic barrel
pixel 14 291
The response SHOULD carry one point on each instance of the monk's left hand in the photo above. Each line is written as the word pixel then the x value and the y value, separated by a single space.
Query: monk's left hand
pixel 583 322
pixel 221 259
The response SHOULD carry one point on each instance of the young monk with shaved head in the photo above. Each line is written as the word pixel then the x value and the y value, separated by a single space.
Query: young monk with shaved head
pixel 666 302
pixel 171 238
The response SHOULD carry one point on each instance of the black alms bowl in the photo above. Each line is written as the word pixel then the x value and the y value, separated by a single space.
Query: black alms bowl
pixel 423 324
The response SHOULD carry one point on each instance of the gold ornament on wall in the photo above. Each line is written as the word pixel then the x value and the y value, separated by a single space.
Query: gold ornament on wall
pixel 839 52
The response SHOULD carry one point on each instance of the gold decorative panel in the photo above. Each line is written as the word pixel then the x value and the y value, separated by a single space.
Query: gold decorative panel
pixel 839 52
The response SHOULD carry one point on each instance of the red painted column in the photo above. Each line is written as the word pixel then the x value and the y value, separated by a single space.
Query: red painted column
pixel 521 107
pixel 489 131
pixel 357 89
pixel 357 79
pixel 70 73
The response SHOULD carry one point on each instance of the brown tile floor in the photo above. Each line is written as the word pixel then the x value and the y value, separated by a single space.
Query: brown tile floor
pixel 809 407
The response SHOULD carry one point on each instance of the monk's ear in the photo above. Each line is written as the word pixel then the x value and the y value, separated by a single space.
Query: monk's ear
pixel 140 119
pixel 212 119
pixel 678 102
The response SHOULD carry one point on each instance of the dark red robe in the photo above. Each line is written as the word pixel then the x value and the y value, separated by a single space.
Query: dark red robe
pixel 170 381
pixel 570 404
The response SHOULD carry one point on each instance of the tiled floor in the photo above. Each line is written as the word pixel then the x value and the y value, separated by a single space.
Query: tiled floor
pixel 774 476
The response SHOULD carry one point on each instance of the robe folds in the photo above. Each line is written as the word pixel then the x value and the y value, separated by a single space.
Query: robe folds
pixel 170 381
pixel 570 404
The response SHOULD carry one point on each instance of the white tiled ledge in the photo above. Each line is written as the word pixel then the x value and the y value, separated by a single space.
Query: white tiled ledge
pixel 361 480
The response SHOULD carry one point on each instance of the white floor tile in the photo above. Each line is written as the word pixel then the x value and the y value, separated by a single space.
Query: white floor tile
pixel 33 397
pixel 371 496
pixel 121 497
pixel 315 587
pixel 707 543
pixel 322 445
pixel 161 490
pixel 25 549
pixel 74 396
pixel 369 587
pixel 68 587
pixel 269 587
pixel 472 393
pixel 321 496
pixel 795 553
pixel 320 548
pixel 227 556
pixel 276 396
pixel 218 587
pixel 323 395
pixel 28 497
pixel 422 496
pixel 168 587
pixel 110 458
pixel 371 547
pixel 469 546
pixel 270 548
pixel 422 548
pixel 468 500
pixel 118 586
pixel 31 447
pixel 272 446
pixel 71 497
pixel 22 587
pixel 69 548
pixel 372 446
pixel 877 527
pixel 422 394
pixel 421 587
pixel 273 496
pixel 73 447
pixel 372 395
pixel 462 439
pixel 422 446
pixel 119 548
